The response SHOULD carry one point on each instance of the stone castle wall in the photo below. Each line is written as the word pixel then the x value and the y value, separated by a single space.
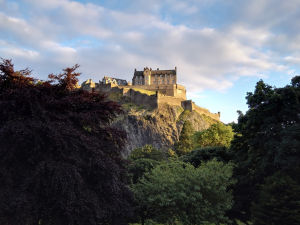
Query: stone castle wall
pixel 163 99
pixel 172 94
pixel 151 101
pixel 174 90
pixel 156 100
pixel 204 111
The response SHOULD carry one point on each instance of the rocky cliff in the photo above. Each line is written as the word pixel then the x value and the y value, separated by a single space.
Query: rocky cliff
pixel 160 127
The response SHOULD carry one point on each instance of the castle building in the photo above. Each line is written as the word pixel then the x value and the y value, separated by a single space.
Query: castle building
pixel 161 85
pixel 111 80
pixel 154 77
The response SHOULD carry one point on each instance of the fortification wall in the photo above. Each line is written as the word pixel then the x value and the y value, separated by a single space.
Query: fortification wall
pixel 187 105
pixel 204 111
pixel 165 94
pixel 175 90
pixel 179 91
pixel 106 87
pixel 163 99
pixel 142 99
pixel 190 105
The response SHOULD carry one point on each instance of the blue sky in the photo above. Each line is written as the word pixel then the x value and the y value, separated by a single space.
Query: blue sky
pixel 221 48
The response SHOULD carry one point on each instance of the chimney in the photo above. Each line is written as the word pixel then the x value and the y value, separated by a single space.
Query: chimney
pixel 157 68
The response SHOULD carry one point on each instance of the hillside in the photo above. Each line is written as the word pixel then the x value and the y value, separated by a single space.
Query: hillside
pixel 159 127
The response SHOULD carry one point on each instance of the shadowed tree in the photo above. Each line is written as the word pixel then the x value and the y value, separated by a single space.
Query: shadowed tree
pixel 278 201
pixel 60 160
pixel 267 142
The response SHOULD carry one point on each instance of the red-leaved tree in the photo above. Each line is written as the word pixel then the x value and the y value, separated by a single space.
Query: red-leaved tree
pixel 60 160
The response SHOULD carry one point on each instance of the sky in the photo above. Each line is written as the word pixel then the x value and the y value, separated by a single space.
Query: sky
pixel 220 48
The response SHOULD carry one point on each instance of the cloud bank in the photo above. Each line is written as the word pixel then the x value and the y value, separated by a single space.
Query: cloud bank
pixel 211 51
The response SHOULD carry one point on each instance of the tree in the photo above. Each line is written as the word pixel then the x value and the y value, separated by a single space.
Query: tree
pixel 267 141
pixel 278 201
pixel 67 80
pixel 142 160
pixel 216 135
pixel 60 160
pixel 185 143
pixel 177 191
pixel 200 155
pixel 147 152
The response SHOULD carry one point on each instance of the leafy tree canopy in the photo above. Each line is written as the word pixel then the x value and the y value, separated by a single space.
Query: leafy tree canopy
pixel 147 152
pixel 185 143
pixel 278 201
pixel 267 140
pixel 60 160
pixel 200 155
pixel 177 191
pixel 216 135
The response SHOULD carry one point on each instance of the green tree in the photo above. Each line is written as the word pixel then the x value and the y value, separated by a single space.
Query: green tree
pixel 267 141
pixel 216 135
pixel 200 155
pixel 147 152
pixel 139 167
pixel 177 191
pixel 185 143
pixel 142 160
pixel 278 202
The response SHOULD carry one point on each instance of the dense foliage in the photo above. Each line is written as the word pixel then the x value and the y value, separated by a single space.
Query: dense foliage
pixel 142 160
pixel 278 201
pixel 199 155
pixel 217 134
pixel 60 160
pixel 177 191
pixel 147 152
pixel 185 143
pixel 267 141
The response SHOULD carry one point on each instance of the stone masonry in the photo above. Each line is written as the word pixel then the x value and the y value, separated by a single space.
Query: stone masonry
pixel 160 85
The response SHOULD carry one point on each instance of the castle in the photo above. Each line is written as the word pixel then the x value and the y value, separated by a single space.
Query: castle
pixel 151 88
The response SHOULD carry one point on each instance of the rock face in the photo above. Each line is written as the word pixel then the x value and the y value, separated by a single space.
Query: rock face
pixel 160 127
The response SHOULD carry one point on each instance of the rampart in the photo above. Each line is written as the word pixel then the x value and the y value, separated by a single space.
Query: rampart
pixel 191 106
pixel 151 101
pixel 174 90
pixel 163 99
pixel 158 99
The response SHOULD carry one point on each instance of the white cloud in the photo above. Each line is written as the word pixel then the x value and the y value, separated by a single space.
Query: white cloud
pixel 293 59
pixel 206 57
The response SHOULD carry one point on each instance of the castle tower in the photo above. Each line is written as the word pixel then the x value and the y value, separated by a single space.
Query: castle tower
pixel 147 76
